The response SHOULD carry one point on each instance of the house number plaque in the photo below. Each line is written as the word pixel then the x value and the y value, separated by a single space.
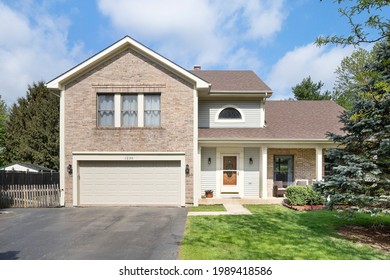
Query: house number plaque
pixel 129 158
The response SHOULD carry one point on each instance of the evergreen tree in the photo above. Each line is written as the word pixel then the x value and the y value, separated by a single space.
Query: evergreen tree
pixel 32 131
pixel 308 90
pixel 3 120
pixel 360 171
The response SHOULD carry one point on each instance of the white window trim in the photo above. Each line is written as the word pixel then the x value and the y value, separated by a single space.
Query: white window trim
pixel 118 110
pixel 218 120
pixel 141 110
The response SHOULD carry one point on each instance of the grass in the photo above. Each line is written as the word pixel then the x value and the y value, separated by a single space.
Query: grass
pixel 275 232
pixel 207 208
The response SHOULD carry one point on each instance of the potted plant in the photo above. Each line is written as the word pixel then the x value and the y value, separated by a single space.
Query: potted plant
pixel 209 193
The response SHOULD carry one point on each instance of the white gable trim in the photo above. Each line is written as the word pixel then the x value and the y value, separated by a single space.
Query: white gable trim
pixel 59 82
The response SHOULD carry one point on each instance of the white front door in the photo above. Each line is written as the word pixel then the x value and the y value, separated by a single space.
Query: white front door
pixel 230 174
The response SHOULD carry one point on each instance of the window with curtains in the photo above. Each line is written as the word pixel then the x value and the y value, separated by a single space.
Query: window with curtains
pixel 106 110
pixel 129 112
pixel 152 112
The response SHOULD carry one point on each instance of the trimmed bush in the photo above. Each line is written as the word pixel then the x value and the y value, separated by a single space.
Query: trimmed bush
pixel 302 195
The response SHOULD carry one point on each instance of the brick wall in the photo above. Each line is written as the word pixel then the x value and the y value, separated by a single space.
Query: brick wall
pixel 304 164
pixel 127 71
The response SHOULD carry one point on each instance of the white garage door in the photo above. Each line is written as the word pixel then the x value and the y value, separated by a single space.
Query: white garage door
pixel 129 183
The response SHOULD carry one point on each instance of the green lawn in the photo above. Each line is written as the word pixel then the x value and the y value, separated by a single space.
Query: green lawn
pixel 207 208
pixel 275 232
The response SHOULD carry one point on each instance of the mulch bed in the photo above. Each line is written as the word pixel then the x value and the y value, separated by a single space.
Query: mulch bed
pixel 376 236
pixel 304 207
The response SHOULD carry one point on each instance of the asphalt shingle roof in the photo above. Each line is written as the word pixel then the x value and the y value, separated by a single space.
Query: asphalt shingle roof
pixel 232 80
pixel 287 120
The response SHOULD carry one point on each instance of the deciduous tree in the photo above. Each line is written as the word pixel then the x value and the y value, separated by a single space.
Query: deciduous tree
pixel 351 75
pixel 367 19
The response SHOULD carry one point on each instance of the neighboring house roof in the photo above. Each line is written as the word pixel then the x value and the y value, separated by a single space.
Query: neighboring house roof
pixel 29 166
pixel 244 81
pixel 120 45
pixel 286 120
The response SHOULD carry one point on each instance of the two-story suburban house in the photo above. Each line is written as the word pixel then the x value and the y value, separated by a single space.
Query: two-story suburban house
pixel 137 129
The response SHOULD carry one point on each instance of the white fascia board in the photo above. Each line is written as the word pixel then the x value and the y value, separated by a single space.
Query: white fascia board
pixel 269 143
pixel 265 141
pixel 263 94
pixel 58 82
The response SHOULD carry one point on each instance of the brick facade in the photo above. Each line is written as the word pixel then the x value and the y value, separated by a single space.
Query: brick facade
pixel 304 164
pixel 128 71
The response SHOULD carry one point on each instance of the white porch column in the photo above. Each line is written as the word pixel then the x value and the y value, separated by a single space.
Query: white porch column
pixel 319 159
pixel 197 172
pixel 263 172
pixel 62 148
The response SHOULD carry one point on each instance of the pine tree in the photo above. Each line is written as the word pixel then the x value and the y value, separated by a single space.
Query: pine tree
pixel 309 90
pixel 3 121
pixel 360 170
pixel 32 132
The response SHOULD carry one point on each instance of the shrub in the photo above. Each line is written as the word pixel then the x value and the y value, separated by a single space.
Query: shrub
pixel 302 195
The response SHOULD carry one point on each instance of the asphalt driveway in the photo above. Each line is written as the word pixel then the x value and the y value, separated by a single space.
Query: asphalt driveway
pixel 94 233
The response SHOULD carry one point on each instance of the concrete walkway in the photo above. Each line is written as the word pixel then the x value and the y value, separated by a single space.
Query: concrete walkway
pixel 231 209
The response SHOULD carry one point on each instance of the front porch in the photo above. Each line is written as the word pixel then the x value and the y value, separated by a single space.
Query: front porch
pixel 246 174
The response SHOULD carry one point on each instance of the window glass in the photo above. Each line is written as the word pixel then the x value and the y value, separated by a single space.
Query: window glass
pixel 152 114
pixel 106 110
pixel 284 169
pixel 129 110
pixel 229 113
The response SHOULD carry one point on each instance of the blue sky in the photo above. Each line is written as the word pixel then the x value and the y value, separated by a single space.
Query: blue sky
pixel 40 39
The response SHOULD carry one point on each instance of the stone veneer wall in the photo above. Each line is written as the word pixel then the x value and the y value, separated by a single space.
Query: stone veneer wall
pixel 128 71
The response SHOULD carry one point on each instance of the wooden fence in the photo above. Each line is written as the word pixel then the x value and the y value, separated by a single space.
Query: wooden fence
pixel 28 189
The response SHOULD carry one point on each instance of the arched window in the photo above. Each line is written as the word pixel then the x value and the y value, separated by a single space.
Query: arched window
pixel 229 113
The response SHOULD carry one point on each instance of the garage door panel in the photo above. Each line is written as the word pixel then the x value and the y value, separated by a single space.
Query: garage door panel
pixel 130 183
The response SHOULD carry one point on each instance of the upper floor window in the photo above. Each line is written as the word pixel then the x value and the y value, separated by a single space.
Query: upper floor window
pixel 229 113
pixel 106 110
pixel 129 110
pixel 152 110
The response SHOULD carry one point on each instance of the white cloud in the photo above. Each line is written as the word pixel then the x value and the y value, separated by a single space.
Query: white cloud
pixel 310 60
pixel 34 48
pixel 206 32
pixel 265 18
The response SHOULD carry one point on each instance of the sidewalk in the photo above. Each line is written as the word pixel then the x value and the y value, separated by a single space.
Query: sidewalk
pixel 231 209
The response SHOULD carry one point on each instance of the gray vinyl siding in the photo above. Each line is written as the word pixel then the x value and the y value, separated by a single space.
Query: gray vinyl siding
pixel 209 109
pixel 208 171
pixel 252 173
